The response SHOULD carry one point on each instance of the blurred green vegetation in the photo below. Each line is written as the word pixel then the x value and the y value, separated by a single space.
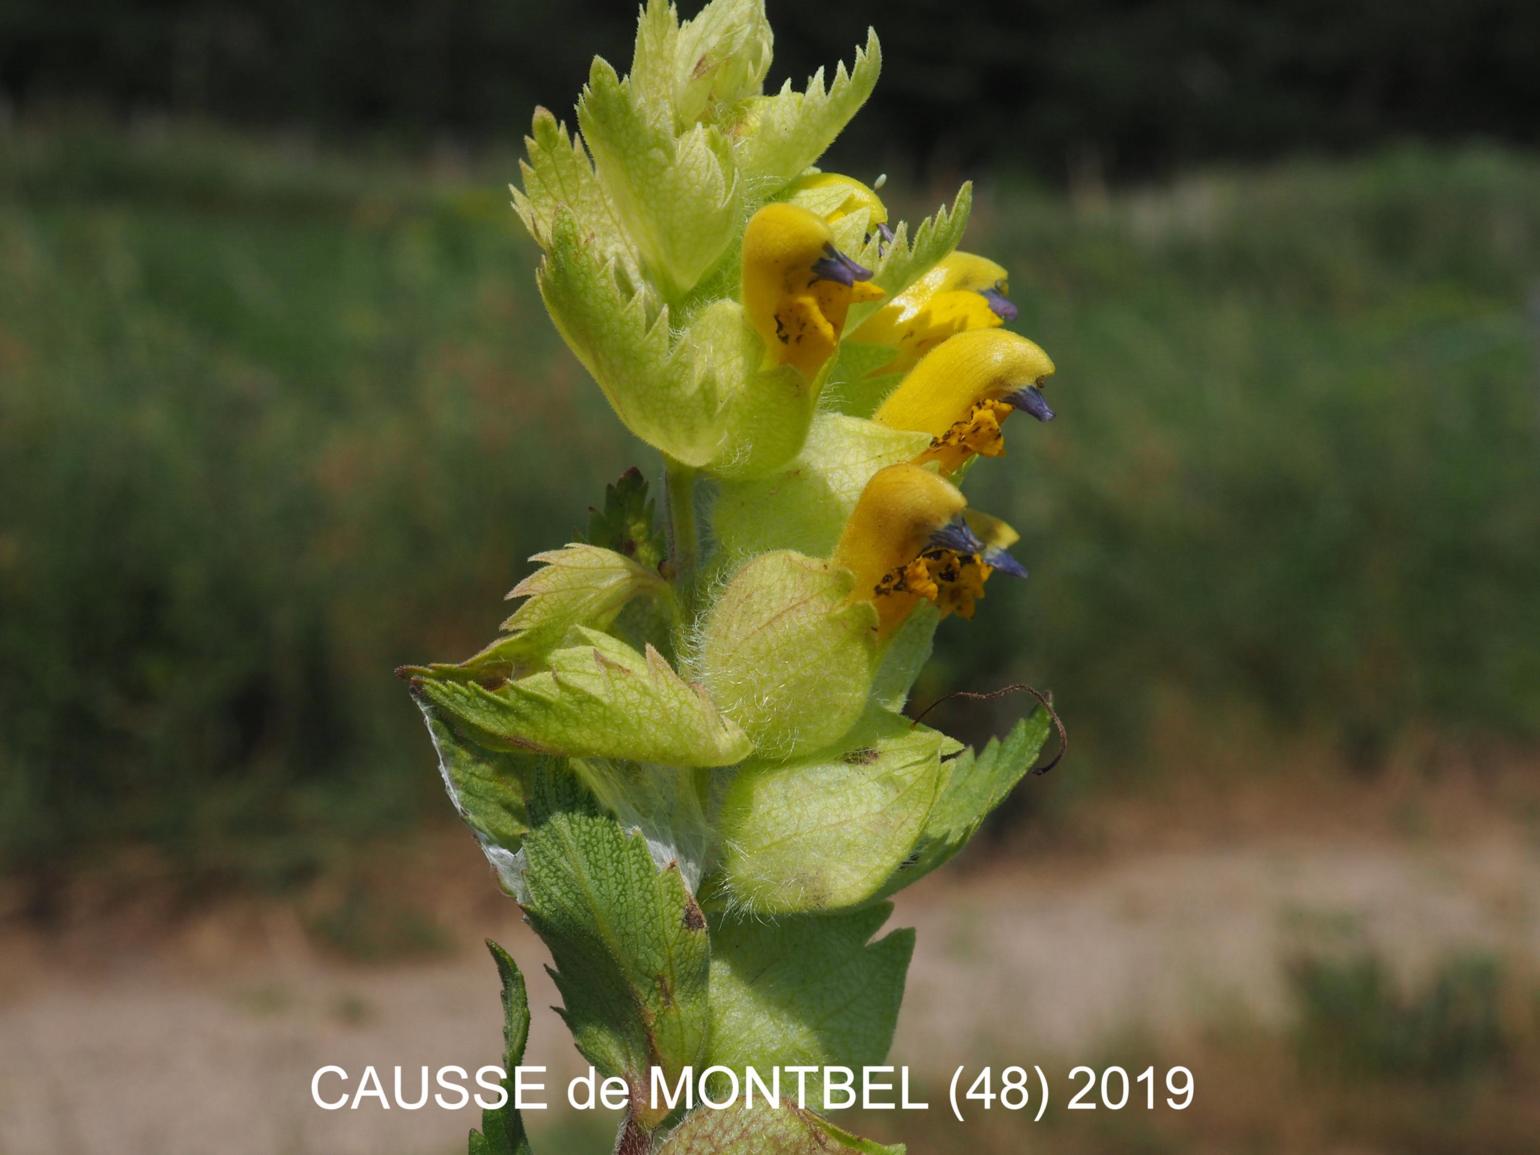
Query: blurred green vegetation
pixel 1297 466
pixel 274 422
pixel 1357 1023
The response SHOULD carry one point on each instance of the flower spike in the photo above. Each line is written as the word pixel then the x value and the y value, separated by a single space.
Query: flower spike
pixel 687 730
pixel 797 287
pixel 963 390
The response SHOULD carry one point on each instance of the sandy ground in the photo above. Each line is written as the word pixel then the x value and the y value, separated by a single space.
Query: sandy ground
pixel 206 1040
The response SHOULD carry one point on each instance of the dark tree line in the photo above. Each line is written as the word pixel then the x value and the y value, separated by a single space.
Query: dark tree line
pixel 1138 85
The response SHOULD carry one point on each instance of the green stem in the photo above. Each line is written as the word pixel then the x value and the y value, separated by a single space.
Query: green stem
pixel 684 560
pixel 683 534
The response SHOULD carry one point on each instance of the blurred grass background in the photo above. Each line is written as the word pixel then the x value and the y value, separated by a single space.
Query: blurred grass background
pixel 277 419
pixel 280 410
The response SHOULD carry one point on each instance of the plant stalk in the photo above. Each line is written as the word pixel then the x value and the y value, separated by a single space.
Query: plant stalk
pixel 683 535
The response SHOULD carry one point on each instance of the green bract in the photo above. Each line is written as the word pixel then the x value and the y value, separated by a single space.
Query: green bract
pixel 686 754
pixel 788 654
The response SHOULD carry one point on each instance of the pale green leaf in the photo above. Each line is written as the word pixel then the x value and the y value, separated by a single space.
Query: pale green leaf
pixel 857 384
pixel 762 414
pixel 805 506
pixel 622 337
pixel 788 1131
pixel 781 135
pixel 721 58
pixel 559 180
pixel 904 657
pixel 653 61
pixel 825 833
pixel 598 698
pixel 787 655
pixel 974 786
pixel 811 990
pixel 577 585
pixel 701 395
pixel 680 196
pixel 489 787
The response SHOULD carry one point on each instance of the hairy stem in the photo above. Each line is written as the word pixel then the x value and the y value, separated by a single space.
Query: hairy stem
pixel 683 534
pixel 633 1138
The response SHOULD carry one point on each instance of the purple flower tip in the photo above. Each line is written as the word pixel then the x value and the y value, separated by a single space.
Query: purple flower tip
pixel 957 535
pixel 1031 400
pixel 836 266
pixel 1001 305
pixel 1004 562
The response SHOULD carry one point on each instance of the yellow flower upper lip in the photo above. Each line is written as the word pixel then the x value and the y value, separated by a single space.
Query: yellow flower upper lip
pixel 908 540
pixel 846 195
pixel 962 292
pixel 797 286
pixel 955 383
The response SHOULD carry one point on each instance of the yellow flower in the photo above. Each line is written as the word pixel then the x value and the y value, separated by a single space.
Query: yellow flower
pixel 857 196
pixel 963 292
pixel 908 540
pixel 797 287
pixel 964 389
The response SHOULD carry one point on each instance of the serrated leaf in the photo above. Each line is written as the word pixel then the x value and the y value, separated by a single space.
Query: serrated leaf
pixel 502 1130
pixel 621 335
pixel 661 803
pixel 559 180
pixel 577 585
pixel 680 196
pixel 653 61
pixel 700 396
pixel 973 787
pixel 805 506
pixel 627 523
pixel 782 135
pixel 787 655
pixel 598 698
pixel 825 833
pixel 898 263
pixel 788 1131
pixel 489 788
pixel 812 991
pixel 721 58
pixel 629 944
